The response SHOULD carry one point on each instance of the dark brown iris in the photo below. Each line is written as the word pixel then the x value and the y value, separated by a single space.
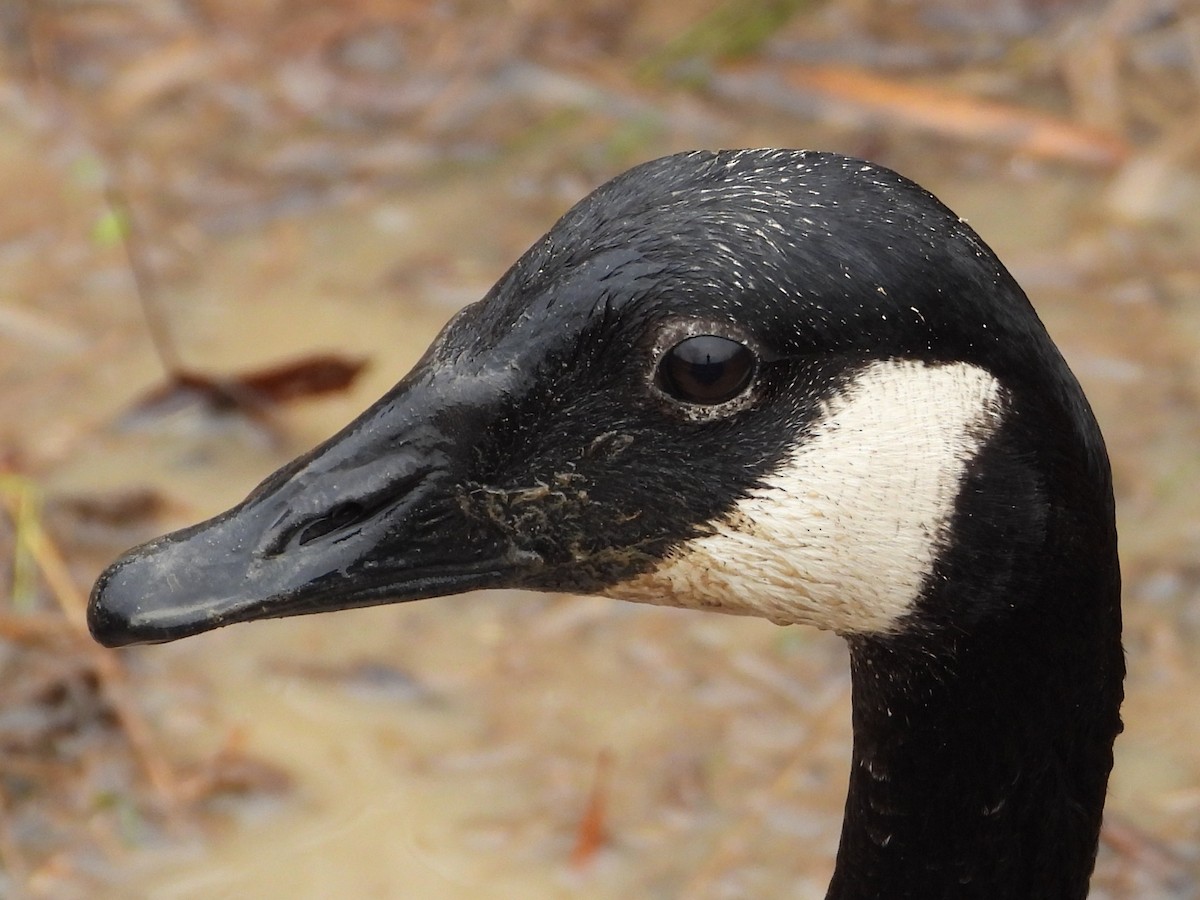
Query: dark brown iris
pixel 706 369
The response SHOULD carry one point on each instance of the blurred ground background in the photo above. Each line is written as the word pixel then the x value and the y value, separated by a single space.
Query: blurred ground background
pixel 294 177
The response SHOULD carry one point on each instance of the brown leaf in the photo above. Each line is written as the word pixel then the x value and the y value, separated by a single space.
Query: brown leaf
pixel 251 393
pixel 309 376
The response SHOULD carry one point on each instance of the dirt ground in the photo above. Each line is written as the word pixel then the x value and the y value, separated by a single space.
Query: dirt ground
pixel 256 184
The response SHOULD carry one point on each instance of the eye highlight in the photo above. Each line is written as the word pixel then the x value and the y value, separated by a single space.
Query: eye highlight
pixel 706 369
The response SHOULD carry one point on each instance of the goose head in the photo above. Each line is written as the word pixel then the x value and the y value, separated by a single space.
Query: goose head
pixel 760 382
pixel 776 383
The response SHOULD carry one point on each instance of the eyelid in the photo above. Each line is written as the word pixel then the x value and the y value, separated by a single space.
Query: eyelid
pixel 677 330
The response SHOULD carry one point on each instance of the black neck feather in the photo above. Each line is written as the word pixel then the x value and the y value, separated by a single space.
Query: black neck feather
pixel 978 776
pixel 983 735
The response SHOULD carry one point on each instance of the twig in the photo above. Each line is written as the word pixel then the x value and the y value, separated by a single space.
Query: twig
pixel 111 673
pixel 127 229
pixel 147 294
pixel 953 114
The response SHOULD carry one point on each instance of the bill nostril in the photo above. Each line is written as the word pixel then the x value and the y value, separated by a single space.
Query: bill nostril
pixel 299 529
pixel 341 516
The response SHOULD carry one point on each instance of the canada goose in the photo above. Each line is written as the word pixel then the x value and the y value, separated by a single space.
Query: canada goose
pixel 771 382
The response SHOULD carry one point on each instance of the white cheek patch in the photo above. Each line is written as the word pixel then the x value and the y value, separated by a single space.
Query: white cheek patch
pixel 844 534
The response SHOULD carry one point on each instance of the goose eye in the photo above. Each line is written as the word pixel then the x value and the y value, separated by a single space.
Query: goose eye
pixel 706 369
